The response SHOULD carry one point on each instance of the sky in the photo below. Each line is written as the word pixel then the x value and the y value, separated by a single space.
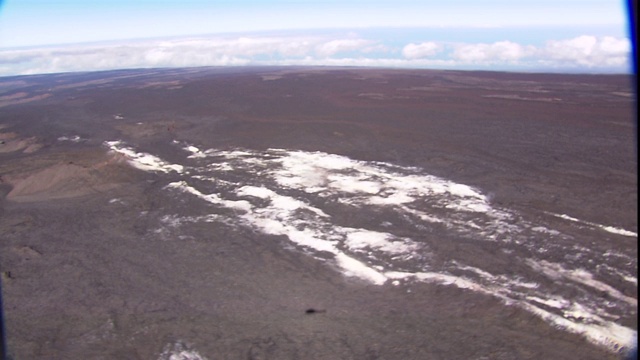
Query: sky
pixel 51 36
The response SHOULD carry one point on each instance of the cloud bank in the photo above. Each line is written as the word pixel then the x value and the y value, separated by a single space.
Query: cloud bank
pixel 579 54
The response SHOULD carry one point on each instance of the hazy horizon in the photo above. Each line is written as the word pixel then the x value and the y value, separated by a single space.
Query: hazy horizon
pixel 562 36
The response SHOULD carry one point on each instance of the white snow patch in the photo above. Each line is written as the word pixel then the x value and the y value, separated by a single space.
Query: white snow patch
pixel 355 268
pixel 179 351
pixel 611 229
pixel 604 333
pixel 522 284
pixel 307 238
pixel 260 192
pixel 271 179
pixel 75 138
pixel 361 239
pixel 212 198
pixel 192 149
pixel 470 205
pixel 279 202
pixel 352 184
pixel 615 230
pixel 196 153
pixel 143 161
pixel 556 271
pixel 438 278
pixel 631 279
pixel 554 302
pixel 542 229
pixel 392 199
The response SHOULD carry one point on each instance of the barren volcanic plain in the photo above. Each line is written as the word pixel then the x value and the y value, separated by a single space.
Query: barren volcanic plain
pixel 318 213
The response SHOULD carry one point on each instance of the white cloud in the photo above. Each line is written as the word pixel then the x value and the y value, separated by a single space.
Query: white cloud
pixel 144 54
pixel 371 62
pixel 333 47
pixel 217 51
pixel 583 53
pixel 422 50
pixel 589 51
pixel 499 51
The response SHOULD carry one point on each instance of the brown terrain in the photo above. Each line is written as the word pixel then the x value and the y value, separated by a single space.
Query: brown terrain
pixel 89 273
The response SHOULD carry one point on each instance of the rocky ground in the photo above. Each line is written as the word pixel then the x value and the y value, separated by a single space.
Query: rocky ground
pixel 103 258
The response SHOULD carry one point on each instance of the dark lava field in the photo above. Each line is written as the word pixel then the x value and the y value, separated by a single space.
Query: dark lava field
pixel 318 213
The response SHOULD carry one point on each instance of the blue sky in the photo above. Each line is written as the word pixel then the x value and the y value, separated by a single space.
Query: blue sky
pixel 44 36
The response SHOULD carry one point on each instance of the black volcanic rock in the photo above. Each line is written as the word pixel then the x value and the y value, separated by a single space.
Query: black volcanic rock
pixel 101 259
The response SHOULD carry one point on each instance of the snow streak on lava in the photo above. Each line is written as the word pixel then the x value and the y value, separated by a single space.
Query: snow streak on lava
pixel 385 224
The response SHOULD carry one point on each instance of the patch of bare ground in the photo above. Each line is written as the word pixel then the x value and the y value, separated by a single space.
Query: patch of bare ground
pixel 522 98
pixel 83 84
pixel 271 77
pixel 20 98
pixel 623 94
pixel 11 142
pixel 169 85
pixel 58 177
